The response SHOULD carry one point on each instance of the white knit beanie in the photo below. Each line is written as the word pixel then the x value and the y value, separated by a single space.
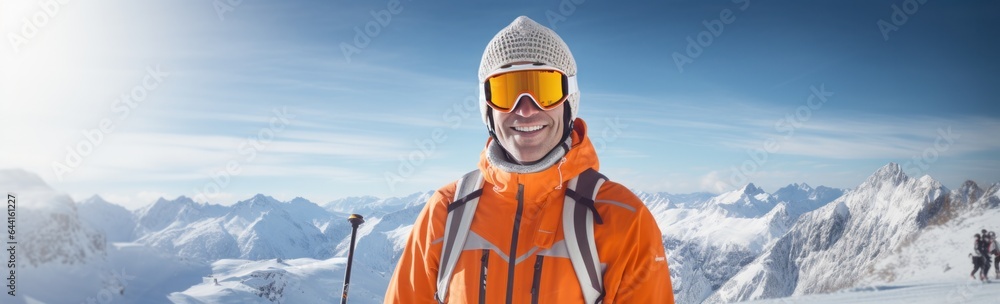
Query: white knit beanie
pixel 526 40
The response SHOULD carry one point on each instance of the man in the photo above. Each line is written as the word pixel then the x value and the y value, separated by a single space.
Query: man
pixel 517 248
pixel 983 250
pixel 996 254
pixel 977 258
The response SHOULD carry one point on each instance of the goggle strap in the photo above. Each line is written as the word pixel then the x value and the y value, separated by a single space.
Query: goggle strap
pixel 489 116
pixel 571 86
pixel 568 130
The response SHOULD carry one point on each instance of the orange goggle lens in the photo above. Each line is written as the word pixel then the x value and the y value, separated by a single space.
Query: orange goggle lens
pixel 548 88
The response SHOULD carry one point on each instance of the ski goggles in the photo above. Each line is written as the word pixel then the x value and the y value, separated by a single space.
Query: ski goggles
pixel 547 87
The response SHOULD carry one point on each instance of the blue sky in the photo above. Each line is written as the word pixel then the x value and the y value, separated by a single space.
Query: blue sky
pixel 265 90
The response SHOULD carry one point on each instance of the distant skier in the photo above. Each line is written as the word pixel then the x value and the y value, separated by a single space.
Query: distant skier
pixel 983 250
pixel 977 258
pixel 995 250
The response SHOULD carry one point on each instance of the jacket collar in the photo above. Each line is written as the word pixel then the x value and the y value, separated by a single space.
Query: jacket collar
pixel 580 157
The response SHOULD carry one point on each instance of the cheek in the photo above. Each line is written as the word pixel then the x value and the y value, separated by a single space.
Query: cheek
pixel 498 119
pixel 557 118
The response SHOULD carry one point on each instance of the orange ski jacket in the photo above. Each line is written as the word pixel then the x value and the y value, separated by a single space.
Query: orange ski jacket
pixel 629 242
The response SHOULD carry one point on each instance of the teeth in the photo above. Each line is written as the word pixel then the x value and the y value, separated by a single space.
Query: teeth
pixel 528 129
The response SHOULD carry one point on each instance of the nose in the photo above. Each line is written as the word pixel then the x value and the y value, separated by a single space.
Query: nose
pixel 526 107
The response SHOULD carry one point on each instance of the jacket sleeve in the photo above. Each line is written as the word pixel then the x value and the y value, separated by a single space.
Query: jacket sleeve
pixel 648 280
pixel 640 271
pixel 415 278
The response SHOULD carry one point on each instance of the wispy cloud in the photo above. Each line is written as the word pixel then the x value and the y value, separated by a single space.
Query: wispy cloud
pixel 881 136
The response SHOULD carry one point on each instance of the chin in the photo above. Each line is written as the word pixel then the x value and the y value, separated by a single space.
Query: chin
pixel 531 157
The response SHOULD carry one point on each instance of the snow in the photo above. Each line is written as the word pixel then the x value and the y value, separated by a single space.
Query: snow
pixel 399 236
pixel 288 281
pixel 711 239
pixel 114 221
pixel 131 273
pixel 888 228
pixel 940 252
pixel 917 292
pixel 258 228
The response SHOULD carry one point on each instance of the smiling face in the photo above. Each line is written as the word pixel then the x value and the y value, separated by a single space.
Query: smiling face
pixel 528 132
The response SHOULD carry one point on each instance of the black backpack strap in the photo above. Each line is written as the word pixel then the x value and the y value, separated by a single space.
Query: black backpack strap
pixel 579 216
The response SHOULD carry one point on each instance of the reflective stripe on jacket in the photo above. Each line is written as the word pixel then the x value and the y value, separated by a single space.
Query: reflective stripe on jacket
pixel 629 242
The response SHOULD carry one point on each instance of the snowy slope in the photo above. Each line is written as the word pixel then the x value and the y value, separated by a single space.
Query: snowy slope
pixel 942 251
pixel 937 291
pixel 834 247
pixel 302 280
pixel 131 273
pixel 709 240
pixel 933 268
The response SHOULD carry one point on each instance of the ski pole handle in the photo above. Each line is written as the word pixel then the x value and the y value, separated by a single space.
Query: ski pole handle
pixel 355 220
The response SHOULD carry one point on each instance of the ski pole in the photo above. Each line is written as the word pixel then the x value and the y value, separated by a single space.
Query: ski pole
pixel 356 220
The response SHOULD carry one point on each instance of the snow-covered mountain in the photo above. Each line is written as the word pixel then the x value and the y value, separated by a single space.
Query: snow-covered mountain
pixel 182 210
pixel 710 239
pixel 258 228
pixel 63 253
pixel 838 245
pixel 379 243
pixel 801 198
pixel 49 229
pixel 376 207
pixel 114 221
pixel 748 202
pixel 933 267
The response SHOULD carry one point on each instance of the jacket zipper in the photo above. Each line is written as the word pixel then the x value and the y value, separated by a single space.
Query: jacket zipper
pixel 512 259
pixel 482 276
pixel 536 281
